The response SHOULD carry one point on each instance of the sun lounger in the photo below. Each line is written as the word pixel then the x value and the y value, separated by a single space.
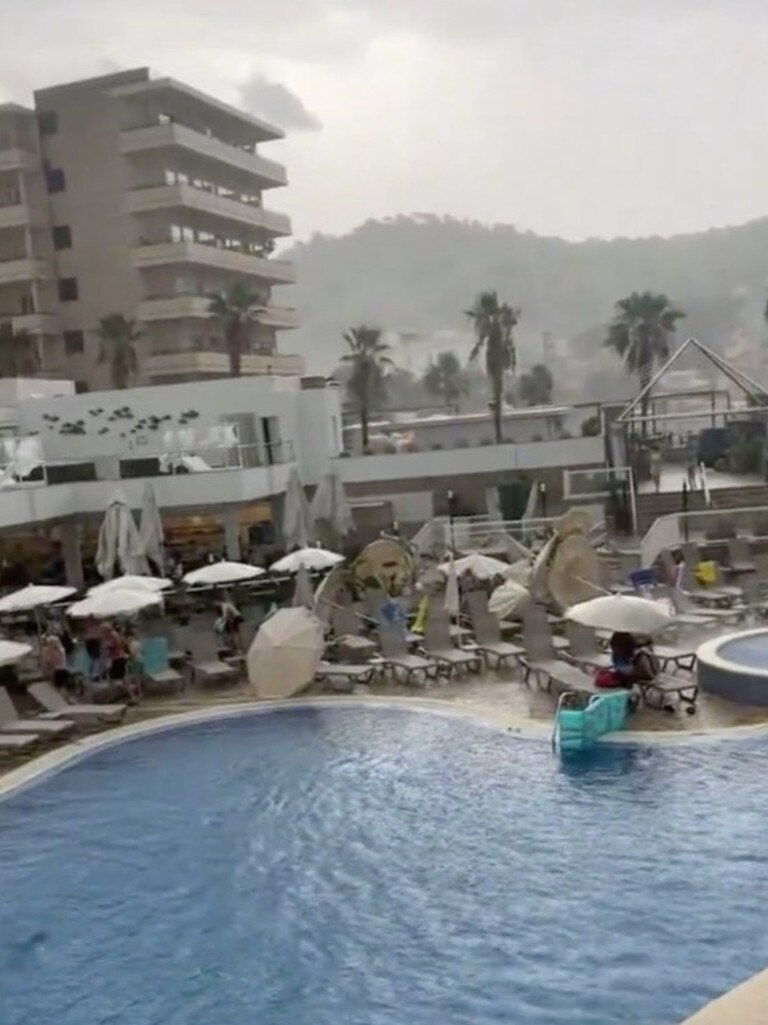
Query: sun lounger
pixel 539 658
pixel 438 646
pixel 346 673
pixel 562 676
pixel 157 673
pixel 212 671
pixel 740 558
pixel 656 693
pixel 410 668
pixel 57 707
pixel 16 743
pixel 583 648
pixel 10 722
pixel 494 650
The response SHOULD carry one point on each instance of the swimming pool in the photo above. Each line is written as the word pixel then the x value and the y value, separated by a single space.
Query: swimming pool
pixel 383 866
pixel 735 666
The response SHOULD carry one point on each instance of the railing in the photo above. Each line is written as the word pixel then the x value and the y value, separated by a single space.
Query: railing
pixel 714 525
pixel 143 463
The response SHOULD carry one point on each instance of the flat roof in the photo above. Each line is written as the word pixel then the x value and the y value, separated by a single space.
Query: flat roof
pixel 15 108
pixel 257 129
pixel 440 419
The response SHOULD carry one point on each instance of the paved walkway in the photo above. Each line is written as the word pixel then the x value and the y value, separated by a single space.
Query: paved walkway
pixel 672 478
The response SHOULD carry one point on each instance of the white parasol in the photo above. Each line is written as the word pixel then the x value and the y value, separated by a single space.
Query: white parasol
pixel 130 582
pixel 482 567
pixel 329 505
pixel 34 596
pixel 151 527
pixel 285 653
pixel 309 558
pixel 12 651
pixel 119 540
pixel 574 572
pixel 452 602
pixel 624 613
pixel 114 603
pixel 217 574
pixel 509 600
pixel 297 521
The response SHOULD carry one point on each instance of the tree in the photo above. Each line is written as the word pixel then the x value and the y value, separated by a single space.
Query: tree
pixel 118 334
pixel 234 310
pixel 641 331
pixel 444 378
pixel 368 360
pixel 535 387
pixel 19 354
pixel 493 324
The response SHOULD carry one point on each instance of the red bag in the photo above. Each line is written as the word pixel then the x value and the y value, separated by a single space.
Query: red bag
pixel 606 679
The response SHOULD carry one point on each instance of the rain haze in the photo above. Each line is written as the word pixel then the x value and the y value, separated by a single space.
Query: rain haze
pixel 598 119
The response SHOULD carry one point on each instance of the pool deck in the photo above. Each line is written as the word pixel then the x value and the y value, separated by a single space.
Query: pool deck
pixel 747 1004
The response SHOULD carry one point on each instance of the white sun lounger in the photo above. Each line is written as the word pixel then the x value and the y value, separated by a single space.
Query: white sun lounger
pixel 57 707
pixel 13 743
pixel 10 721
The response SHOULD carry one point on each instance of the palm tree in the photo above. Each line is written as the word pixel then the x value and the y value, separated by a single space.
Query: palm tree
pixel 641 331
pixel 19 353
pixel 233 310
pixel 118 334
pixel 493 323
pixel 535 387
pixel 445 379
pixel 368 361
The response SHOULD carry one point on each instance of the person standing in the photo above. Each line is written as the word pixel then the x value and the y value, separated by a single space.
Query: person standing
pixel 656 469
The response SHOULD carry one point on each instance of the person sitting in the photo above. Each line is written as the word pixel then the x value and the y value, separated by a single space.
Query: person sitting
pixel 632 659
pixel 53 659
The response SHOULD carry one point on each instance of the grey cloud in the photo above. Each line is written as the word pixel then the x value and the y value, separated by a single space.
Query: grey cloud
pixel 277 103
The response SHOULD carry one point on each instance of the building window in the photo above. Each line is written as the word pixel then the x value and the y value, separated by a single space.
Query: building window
pixel 62 237
pixel 68 290
pixel 48 122
pixel 55 180
pixel 74 342
pixel 81 386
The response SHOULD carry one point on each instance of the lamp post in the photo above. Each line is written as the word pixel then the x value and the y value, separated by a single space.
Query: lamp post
pixel 543 497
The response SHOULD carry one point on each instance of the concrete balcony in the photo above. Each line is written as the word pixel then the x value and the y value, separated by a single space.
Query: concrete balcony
pixel 18 215
pixel 176 136
pixel 179 366
pixel 25 269
pixel 18 160
pixel 174 197
pixel 159 254
pixel 35 323
pixel 182 307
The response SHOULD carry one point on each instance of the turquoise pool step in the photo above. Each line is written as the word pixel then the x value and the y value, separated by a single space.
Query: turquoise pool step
pixel 578 729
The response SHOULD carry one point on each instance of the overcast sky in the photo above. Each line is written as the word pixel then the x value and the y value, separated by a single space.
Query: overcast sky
pixel 569 117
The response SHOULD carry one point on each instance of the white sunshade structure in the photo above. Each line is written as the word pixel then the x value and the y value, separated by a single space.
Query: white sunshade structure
pixel 34 596
pixel 119 540
pixel 482 567
pixel 297 519
pixel 330 504
pixel 117 602
pixel 452 599
pixel 622 613
pixel 130 582
pixel 12 651
pixel 218 574
pixel 309 558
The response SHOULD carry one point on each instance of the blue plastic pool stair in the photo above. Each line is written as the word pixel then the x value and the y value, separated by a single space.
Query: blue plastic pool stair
pixel 576 729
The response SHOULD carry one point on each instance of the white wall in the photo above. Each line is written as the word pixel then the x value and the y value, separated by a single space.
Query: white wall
pixel 485 459
pixel 213 401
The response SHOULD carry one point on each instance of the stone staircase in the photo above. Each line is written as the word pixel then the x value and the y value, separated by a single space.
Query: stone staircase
pixel 651 506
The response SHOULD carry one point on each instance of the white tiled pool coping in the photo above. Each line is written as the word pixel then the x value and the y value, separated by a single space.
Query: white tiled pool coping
pixel 709 652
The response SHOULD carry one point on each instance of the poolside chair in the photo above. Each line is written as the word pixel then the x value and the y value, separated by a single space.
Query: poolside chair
pixel 656 693
pixel 409 668
pixel 716 595
pixel 583 648
pixel 206 667
pixel 540 658
pixel 688 613
pixel 16 743
pixel 439 646
pixel 10 722
pixel 740 559
pixel 347 626
pixel 57 707
pixel 494 650
pixel 345 675
pixel 157 674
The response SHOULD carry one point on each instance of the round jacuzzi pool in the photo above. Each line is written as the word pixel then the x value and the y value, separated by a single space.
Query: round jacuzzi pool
pixel 736 667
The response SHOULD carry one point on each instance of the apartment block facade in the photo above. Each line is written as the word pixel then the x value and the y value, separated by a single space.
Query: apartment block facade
pixel 140 196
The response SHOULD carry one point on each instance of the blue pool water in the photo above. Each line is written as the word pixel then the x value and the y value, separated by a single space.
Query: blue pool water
pixel 751 652
pixel 359 866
